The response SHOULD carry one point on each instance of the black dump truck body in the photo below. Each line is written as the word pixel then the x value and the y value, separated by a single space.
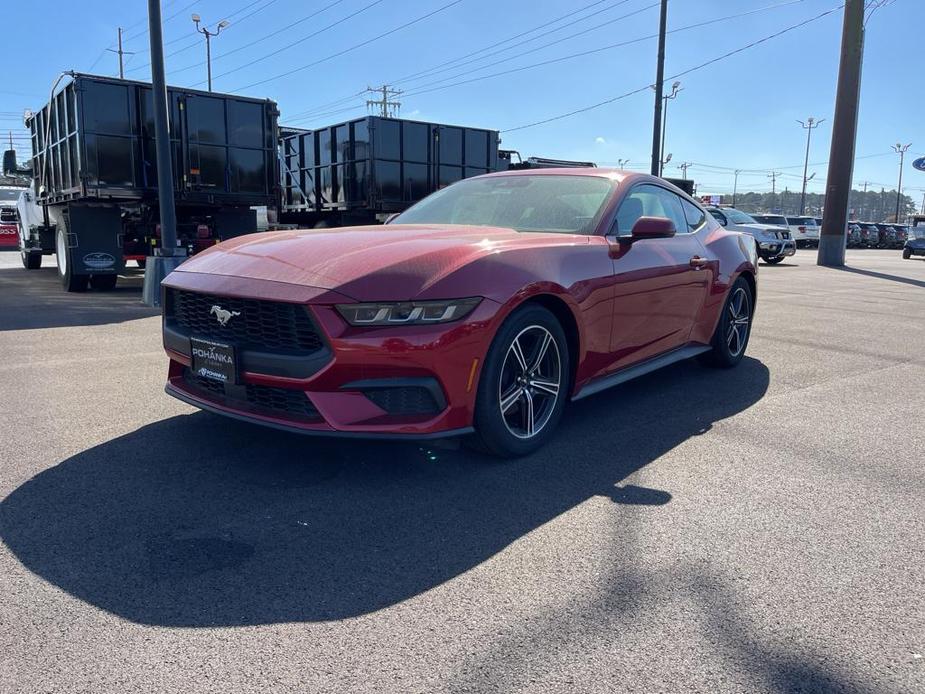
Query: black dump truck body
pixel 94 169
pixel 362 170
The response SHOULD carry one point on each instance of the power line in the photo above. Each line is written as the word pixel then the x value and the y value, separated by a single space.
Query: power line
pixel 728 54
pixel 354 47
pixel 422 89
pixel 472 53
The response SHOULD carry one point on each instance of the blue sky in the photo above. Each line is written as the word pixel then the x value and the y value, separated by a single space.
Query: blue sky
pixel 740 112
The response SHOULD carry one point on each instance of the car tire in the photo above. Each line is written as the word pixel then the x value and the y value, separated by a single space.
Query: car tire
pixel 71 281
pixel 730 339
pixel 907 253
pixel 773 261
pixel 31 260
pixel 104 283
pixel 514 415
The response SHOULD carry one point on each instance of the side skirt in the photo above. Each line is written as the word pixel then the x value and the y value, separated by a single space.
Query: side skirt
pixel 637 370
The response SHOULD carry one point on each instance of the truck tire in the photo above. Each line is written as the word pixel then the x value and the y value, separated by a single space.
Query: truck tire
pixel 69 280
pixel 105 283
pixel 31 260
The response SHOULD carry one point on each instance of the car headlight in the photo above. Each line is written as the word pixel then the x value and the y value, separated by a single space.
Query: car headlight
pixel 407 312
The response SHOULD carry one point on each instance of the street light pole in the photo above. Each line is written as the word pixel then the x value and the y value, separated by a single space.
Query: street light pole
pixel 901 150
pixel 209 34
pixel 808 126
pixel 735 185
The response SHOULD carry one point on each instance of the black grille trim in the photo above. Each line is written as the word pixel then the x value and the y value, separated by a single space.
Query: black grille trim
pixel 270 326
pixel 404 400
pixel 272 400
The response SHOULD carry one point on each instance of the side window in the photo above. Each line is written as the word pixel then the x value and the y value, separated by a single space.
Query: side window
pixel 695 216
pixel 648 201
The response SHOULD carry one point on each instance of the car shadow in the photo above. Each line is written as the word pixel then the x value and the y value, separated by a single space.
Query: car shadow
pixel 198 520
pixel 35 299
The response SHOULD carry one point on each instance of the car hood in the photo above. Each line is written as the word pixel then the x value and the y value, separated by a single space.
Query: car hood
pixel 392 262
pixel 761 227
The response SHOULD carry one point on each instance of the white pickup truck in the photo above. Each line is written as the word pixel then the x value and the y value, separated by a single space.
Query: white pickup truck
pixel 803 230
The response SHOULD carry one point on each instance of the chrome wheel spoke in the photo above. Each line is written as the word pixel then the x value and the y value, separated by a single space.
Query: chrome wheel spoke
pixel 508 401
pixel 541 352
pixel 518 353
pixel 547 387
pixel 529 414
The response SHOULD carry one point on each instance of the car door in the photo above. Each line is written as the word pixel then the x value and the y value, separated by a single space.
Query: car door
pixel 660 284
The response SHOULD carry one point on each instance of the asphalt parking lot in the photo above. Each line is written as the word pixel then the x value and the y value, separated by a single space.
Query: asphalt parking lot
pixel 759 529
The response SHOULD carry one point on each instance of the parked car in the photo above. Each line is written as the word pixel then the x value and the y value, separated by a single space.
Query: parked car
pixel 870 235
pixel 887 236
pixel 805 231
pixel 902 234
pixel 853 236
pixel 915 243
pixel 9 226
pixel 773 242
pixel 483 309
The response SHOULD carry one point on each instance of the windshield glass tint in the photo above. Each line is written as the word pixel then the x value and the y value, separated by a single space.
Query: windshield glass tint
pixel 771 219
pixel 8 195
pixel 564 204
pixel 737 217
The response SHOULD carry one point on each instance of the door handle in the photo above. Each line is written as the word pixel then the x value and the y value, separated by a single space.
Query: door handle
pixel 697 262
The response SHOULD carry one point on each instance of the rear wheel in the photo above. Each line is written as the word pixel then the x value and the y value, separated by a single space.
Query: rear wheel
pixel 907 253
pixel 773 261
pixel 69 280
pixel 733 328
pixel 523 385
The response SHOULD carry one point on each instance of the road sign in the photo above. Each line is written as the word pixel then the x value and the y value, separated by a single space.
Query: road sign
pixel 919 164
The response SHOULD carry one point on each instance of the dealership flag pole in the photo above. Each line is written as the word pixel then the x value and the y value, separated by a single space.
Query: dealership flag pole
pixel 844 133
pixel 168 256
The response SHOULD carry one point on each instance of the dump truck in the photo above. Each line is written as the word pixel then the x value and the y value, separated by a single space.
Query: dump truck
pixel 95 174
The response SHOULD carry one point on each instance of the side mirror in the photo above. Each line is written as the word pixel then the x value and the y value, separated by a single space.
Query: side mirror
pixel 653 228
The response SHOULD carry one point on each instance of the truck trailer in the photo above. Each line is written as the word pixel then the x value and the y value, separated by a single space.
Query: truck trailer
pixel 95 177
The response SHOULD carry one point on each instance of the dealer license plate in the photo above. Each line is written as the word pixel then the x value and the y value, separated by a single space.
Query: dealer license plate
pixel 214 360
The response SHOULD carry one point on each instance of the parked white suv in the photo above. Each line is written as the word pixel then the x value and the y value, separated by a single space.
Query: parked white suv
pixel 773 241
pixel 803 230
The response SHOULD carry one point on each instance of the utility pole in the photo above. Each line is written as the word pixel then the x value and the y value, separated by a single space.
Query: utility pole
pixel 656 166
pixel 674 93
pixel 901 150
pixel 684 166
pixel 735 185
pixel 923 203
pixel 808 126
pixel 622 162
pixel 388 107
pixel 844 134
pixel 209 34
pixel 168 256
pixel 121 53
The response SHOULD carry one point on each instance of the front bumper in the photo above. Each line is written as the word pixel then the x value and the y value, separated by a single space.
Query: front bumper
pixel 402 382
pixel 774 249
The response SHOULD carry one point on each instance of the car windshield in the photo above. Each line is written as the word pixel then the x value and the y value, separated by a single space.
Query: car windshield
pixel 564 204
pixel 771 219
pixel 737 216
pixel 10 194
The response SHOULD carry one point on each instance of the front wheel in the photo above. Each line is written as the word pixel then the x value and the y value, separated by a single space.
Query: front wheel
pixel 733 328
pixel 773 261
pixel 523 385
pixel 907 253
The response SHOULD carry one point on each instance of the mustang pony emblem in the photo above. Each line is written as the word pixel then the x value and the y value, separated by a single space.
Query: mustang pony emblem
pixel 223 315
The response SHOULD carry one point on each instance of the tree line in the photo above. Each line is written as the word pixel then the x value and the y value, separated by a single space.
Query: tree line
pixel 866 206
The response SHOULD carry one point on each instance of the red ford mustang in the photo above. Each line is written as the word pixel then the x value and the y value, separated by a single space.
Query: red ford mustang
pixel 481 310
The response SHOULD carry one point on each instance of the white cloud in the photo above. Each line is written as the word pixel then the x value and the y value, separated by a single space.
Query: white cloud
pixel 600 140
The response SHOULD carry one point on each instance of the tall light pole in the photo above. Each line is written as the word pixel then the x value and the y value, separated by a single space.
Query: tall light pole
pixel 656 165
pixel 684 166
pixel 675 88
pixel 901 150
pixel 810 124
pixel 622 162
pixel 209 34
pixel 735 185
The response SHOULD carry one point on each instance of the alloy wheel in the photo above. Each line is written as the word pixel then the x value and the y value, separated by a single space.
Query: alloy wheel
pixel 737 321
pixel 530 382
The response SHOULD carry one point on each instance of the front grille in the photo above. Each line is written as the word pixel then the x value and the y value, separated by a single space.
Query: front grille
pixel 404 400
pixel 265 325
pixel 272 400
